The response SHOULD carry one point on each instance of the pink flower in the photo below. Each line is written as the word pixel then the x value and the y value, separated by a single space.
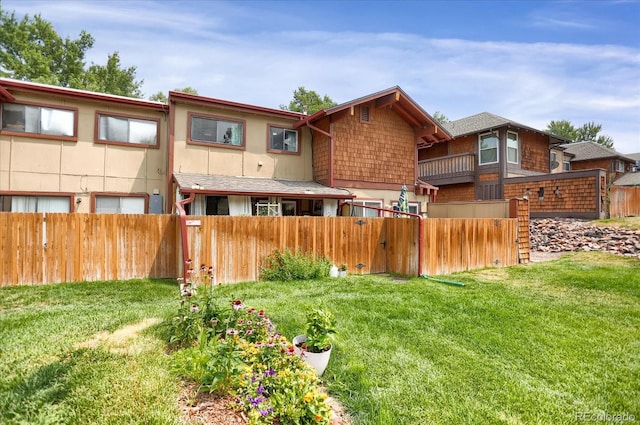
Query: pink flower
pixel 194 307
pixel 237 304
pixel 232 331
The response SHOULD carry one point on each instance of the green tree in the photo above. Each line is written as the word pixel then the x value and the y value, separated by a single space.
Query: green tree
pixel 562 128
pixel 588 132
pixel 440 117
pixel 308 101
pixel 31 50
pixel 161 97
pixel 112 78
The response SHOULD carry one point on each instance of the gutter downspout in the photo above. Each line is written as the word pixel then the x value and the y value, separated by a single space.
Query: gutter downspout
pixel 331 147
pixel 183 233
pixel 420 228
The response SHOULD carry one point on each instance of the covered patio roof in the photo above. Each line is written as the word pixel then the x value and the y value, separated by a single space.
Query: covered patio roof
pixel 255 186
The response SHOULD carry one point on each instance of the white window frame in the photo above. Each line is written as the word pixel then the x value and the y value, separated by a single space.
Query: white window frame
pixel 414 207
pixel 619 166
pixel 270 209
pixel 566 165
pixel 40 120
pixel 364 212
pixel 289 139
pixel 516 148
pixel 497 147
pixel 124 204
pixel 231 134
pixel 134 130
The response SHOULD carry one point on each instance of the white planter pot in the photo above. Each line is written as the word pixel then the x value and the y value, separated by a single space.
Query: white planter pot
pixel 318 360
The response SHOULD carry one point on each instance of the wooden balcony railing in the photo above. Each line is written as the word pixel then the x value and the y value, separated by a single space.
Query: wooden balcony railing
pixel 454 169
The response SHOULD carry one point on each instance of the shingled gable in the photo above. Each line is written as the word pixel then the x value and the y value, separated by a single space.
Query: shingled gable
pixel 428 130
pixel 583 151
pixel 486 121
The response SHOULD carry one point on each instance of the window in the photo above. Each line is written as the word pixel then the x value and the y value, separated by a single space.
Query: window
pixel 358 211
pixel 414 207
pixel 364 114
pixel 120 204
pixel 217 205
pixel 488 148
pixel 289 208
pixel 566 166
pixel 268 209
pixel 214 130
pixel 127 130
pixel 619 166
pixel 38 120
pixel 282 139
pixel 35 203
pixel 512 147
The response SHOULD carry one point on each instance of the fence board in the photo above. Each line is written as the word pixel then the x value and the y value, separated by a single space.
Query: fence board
pixel 624 201
pixel 88 247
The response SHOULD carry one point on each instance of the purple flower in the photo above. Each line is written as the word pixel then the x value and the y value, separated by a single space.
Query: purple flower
pixel 269 372
pixel 260 390
pixel 265 412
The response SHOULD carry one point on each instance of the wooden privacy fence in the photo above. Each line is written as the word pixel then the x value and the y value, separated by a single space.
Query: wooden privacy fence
pixel 40 248
pixel 48 248
pixel 624 201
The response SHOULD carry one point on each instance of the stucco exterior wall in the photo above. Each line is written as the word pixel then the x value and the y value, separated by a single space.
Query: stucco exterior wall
pixel 84 166
pixel 219 159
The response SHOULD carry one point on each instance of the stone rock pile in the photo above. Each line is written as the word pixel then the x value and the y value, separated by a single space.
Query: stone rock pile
pixel 564 235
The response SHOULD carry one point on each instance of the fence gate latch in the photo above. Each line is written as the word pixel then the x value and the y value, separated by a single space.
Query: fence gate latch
pixel 360 266
pixel 361 222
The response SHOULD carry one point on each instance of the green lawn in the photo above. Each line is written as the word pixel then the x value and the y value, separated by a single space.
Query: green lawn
pixel 540 343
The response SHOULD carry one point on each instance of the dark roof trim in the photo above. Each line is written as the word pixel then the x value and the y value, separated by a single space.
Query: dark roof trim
pixel 175 96
pixel 83 94
pixel 6 95
pixel 414 109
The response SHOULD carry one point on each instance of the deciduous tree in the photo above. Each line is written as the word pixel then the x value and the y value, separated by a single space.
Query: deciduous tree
pixel 308 101
pixel 31 50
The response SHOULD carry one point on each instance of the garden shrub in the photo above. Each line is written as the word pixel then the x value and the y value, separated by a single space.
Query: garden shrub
pixel 285 265
pixel 232 350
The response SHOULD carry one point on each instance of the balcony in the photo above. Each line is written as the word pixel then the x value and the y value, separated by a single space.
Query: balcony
pixel 451 169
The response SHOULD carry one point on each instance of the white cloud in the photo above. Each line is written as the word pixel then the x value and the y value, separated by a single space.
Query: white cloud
pixel 532 83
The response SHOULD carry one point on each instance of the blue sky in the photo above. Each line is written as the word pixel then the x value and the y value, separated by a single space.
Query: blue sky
pixel 528 61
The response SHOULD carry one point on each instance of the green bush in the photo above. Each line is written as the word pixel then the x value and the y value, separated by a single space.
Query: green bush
pixel 287 265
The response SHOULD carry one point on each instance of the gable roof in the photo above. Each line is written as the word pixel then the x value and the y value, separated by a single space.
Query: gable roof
pixel 628 179
pixel 583 151
pixel 427 128
pixel 486 121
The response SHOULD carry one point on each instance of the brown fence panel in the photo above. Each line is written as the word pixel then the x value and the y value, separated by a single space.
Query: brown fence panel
pixel 40 248
pixel 451 245
pixel 624 201
pixel 47 248
pixel 237 246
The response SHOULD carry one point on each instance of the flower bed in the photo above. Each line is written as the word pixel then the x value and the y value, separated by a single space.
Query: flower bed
pixel 236 351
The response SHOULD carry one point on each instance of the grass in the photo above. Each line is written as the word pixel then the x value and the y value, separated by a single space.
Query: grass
pixel 631 223
pixel 536 344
